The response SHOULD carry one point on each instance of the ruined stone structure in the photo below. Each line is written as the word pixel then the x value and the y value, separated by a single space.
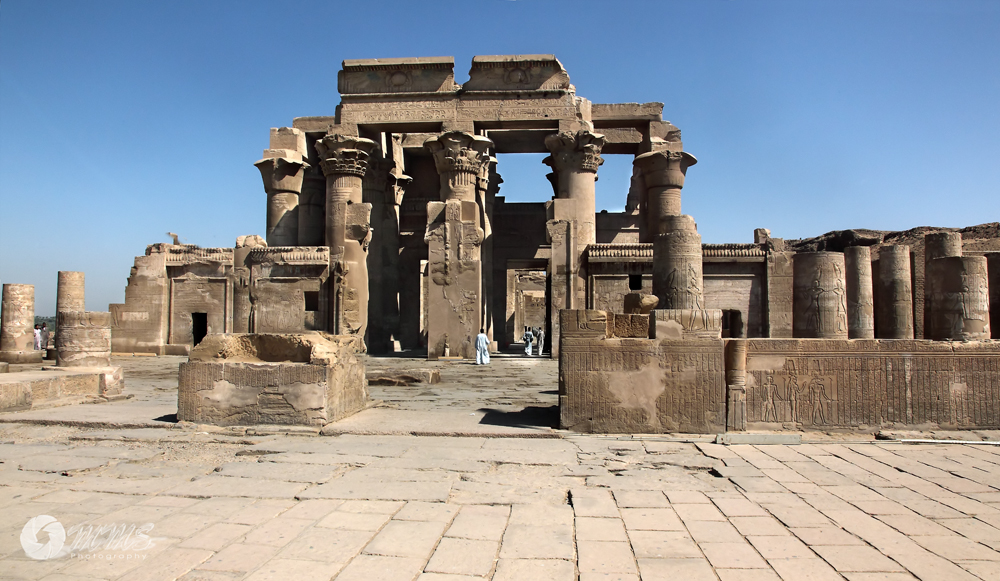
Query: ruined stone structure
pixel 384 221
pixel 267 378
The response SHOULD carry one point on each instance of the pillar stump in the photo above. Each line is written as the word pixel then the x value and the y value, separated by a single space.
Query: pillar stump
pixel 895 293
pixel 936 245
pixel 959 298
pixel 84 339
pixel 819 302
pixel 860 294
pixel 17 325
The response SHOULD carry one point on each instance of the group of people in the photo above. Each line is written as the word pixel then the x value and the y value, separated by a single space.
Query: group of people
pixel 531 334
pixel 41 337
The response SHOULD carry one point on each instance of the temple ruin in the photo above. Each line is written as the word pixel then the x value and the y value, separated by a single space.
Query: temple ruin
pixel 384 221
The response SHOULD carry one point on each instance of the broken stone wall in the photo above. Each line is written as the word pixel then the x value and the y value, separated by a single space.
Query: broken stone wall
pixel 284 379
pixel 612 384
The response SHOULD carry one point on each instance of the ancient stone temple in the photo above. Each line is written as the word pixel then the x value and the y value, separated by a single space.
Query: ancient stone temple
pixel 385 220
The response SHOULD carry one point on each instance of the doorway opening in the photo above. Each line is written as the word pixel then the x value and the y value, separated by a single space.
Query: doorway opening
pixel 199 326
pixel 732 324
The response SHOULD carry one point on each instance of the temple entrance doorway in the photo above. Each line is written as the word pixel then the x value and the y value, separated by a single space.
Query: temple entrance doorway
pixel 199 326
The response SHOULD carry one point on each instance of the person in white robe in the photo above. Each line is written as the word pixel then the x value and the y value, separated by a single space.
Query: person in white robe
pixel 482 348
pixel 528 338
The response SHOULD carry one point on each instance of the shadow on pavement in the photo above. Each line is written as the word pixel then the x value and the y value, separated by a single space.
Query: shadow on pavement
pixel 529 417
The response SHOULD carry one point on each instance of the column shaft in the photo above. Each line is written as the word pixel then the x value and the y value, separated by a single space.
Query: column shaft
pixel 959 298
pixel 17 325
pixel 454 238
pixel 936 245
pixel 70 295
pixel 860 295
pixel 895 293
pixel 84 339
pixel 820 297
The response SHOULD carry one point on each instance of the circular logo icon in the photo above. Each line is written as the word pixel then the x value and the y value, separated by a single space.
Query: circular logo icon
pixel 29 537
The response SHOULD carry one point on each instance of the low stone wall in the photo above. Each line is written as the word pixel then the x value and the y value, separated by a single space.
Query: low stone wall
pixel 26 389
pixel 633 385
pixel 287 379
pixel 872 384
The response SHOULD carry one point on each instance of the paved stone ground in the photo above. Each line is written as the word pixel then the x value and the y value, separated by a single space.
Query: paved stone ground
pixel 519 501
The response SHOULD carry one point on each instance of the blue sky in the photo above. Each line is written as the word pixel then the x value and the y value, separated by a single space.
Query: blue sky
pixel 122 120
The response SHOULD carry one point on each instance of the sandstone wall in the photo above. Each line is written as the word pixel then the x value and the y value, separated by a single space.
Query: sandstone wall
pixel 614 384
pixel 309 379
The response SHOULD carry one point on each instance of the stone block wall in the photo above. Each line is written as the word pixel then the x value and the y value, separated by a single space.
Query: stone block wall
pixel 630 385
pixel 861 384
pixel 612 384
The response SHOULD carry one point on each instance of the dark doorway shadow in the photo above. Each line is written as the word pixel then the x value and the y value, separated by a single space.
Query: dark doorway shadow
pixel 170 418
pixel 529 417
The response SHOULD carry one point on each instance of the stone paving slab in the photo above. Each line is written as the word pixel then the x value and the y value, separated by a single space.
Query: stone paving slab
pixel 492 505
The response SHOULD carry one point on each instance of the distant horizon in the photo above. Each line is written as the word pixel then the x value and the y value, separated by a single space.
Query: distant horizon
pixel 122 121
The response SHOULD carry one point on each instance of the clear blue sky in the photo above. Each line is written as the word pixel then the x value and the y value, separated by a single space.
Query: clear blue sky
pixel 122 120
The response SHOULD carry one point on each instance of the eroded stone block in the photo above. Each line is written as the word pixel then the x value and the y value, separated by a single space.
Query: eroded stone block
pixel 288 379
pixel 677 324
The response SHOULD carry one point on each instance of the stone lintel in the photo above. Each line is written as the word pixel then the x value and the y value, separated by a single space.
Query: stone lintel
pixel 419 62
pixel 534 72
pixel 626 112
pixel 398 75
pixel 318 124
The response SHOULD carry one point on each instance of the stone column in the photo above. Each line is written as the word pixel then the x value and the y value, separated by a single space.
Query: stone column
pixel 312 209
pixel 348 230
pixel 736 385
pixel 384 241
pixel 70 295
pixel 487 187
pixel 17 325
pixel 84 339
pixel 570 228
pixel 663 175
pixel 993 265
pixel 959 298
pixel 574 160
pixel 677 264
pixel 70 292
pixel 936 245
pixel 860 295
pixel 895 293
pixel 282 171
pixel 454 238
pixel 819 308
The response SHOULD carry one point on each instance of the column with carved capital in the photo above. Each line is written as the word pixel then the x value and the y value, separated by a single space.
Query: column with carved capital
pixel 381 186
pixel 570 228
pixel 348 229
pixel 678 281
pixel 282 171
pixel 454 238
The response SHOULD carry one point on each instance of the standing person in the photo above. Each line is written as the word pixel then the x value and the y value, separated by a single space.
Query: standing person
pixel 38 337
pixel 45 337
pixel 527 338
pixel 482 348
pixel 541 340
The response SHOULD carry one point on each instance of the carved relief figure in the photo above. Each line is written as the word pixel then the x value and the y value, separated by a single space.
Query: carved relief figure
pixel 792 394
pixel 770 392
pixel 694 287
pixel 840 294
pixel 817 392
